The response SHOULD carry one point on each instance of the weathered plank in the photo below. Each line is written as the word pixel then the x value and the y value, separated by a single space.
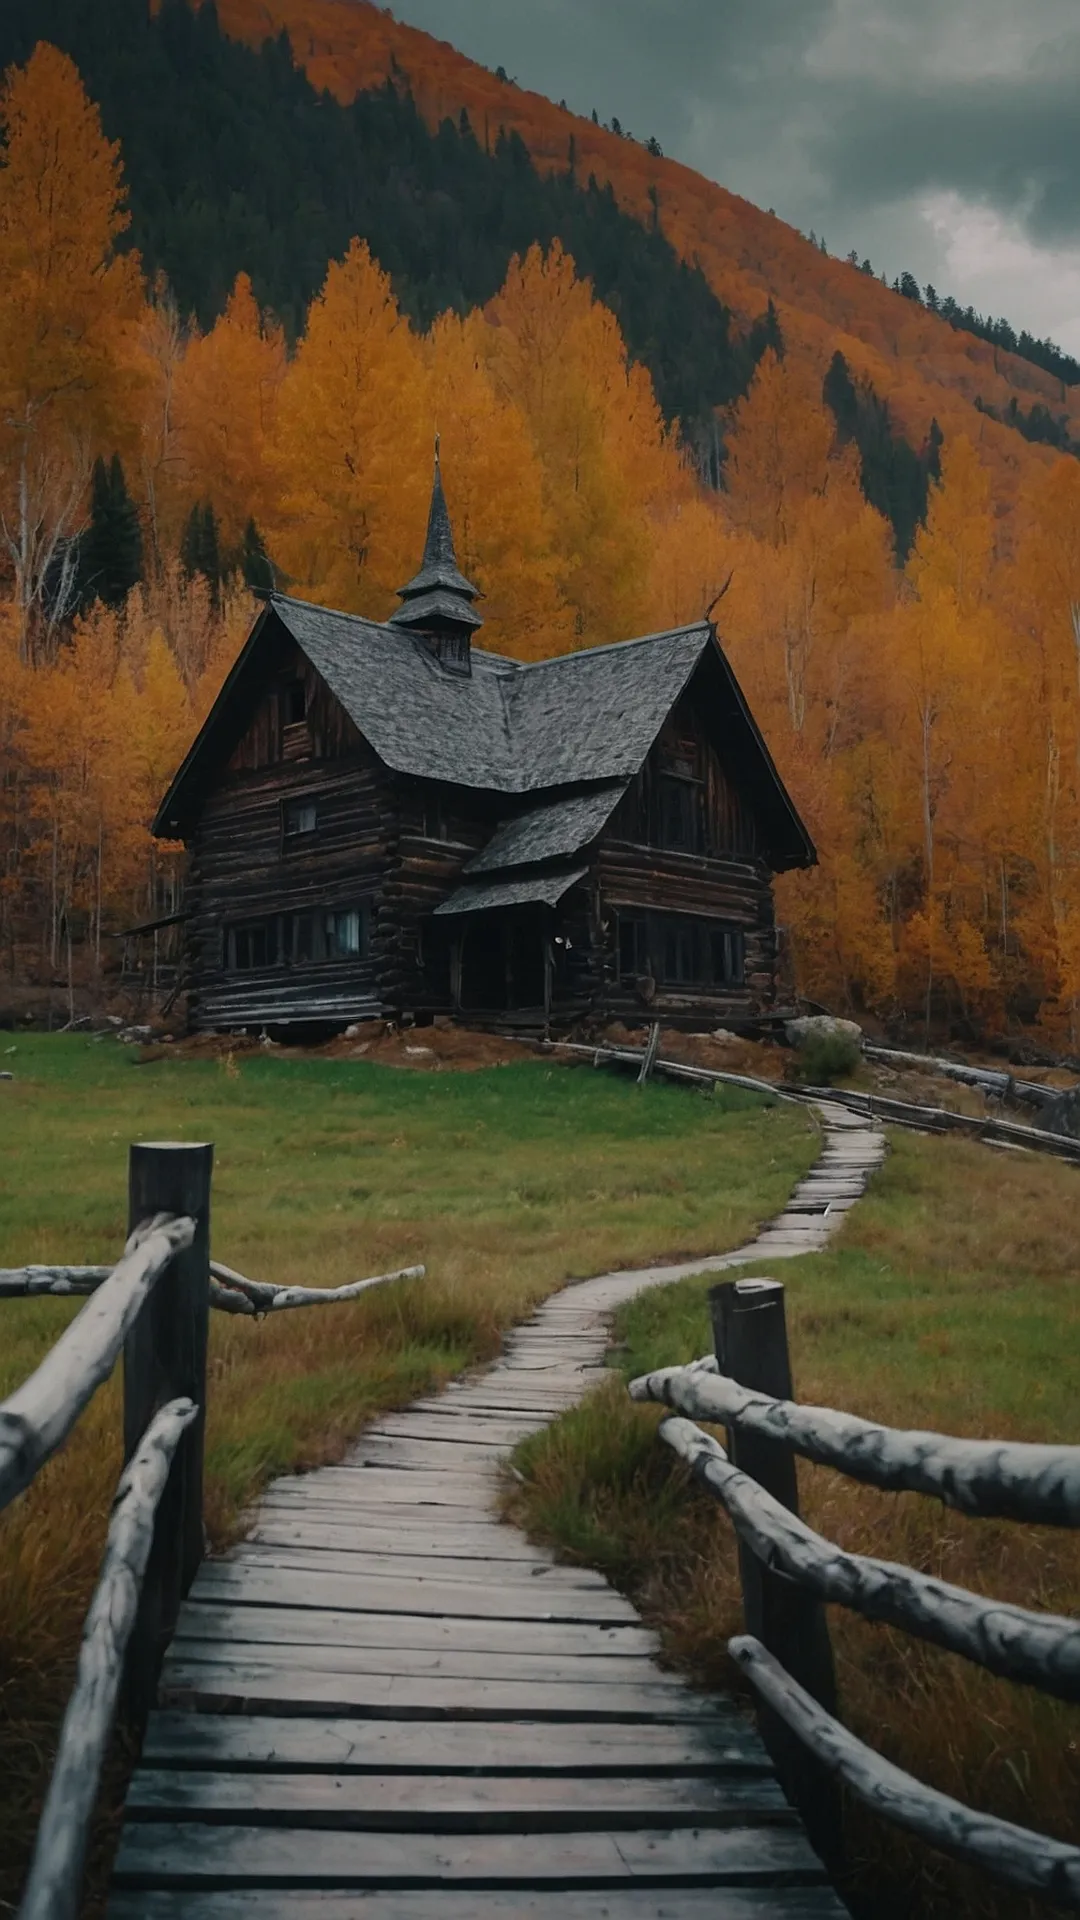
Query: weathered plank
pixel 307 1625
pixel 341 1552
pixel 277 1586
pixel 265 1742
pixel 456 1803
pixel 623 1903
pixel 231 1684
pixel 165 1854
pixel 295 1526
pixel 446 1662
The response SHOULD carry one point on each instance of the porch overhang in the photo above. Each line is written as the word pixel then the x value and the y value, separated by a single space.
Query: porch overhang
pixel 480 896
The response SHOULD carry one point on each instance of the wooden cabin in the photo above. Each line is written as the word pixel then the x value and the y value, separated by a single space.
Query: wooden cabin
pixel 385 819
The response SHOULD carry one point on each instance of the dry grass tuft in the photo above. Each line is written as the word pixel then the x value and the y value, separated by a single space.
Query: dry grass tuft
pixel 949 1302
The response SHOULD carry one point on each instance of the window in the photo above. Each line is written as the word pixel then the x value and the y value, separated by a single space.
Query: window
pixel 301 939
pixel 679 813
pixel 680 951
pixel 346 929
pixel 727 956
pixel 299 818
pixel 254 944
pixel 293 703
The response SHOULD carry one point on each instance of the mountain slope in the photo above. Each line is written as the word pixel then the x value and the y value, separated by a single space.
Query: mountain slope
pixel 916 361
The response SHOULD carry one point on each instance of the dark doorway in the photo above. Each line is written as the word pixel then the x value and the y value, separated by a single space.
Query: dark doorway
pixel 502 962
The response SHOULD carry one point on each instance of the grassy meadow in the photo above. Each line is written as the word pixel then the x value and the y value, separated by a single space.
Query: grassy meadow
pixel 949 1301
pixel 504 1182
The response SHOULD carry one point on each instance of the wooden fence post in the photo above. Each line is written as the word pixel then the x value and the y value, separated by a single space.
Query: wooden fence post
pixel 750 1338
pixel 165 1358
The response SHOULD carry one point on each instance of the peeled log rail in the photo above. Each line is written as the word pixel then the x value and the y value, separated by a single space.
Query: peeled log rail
pixel 24 1283
pixel 993 1479
pixel 1026 1860
pixel 1035 1649
pixel 230 1292
pixel 37 1418
pixel 53 1891
pixel 270 1299
pixel 1032 1092
pixel 899 1113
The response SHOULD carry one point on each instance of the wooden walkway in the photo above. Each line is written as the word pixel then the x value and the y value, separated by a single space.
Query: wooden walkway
pixel 387 1705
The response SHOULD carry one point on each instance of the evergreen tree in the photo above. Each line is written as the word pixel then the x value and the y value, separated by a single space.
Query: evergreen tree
pixel 111 549
pixel 765 332
pixel 200 549
pixel 255 563
pixel 909 287
pixel 839 394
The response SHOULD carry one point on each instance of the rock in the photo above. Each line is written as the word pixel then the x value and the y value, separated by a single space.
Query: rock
pixel 352 1033
pixel 133 1036
pixel 820 1026
pixel 727 1038
pixel 1062 1114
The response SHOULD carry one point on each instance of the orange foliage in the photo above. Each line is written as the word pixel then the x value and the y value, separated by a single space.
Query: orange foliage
pixel 927 722
pixel 67 364
pixel 224 413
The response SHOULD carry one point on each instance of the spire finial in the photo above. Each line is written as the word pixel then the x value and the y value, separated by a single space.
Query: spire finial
pixel 439 599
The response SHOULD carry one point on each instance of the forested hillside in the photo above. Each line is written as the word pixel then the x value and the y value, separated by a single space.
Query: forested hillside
pixel 237 308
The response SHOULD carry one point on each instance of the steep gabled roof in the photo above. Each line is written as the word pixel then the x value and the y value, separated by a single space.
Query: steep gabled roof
pixel 581 718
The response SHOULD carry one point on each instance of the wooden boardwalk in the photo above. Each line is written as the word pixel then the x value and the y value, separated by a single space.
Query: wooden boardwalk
pixel 388 1705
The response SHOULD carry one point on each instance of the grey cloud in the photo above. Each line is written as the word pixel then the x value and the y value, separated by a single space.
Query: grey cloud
pixel 840 113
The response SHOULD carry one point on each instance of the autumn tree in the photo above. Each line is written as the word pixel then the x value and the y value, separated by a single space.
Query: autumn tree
pixel 68 361
pixel 352 446
pixel 224 411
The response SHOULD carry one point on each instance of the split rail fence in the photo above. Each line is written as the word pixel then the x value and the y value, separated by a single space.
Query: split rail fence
pixel 788 1572
pixel 153 1308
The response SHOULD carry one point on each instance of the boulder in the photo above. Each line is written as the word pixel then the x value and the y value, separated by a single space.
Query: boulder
pixel 821 1026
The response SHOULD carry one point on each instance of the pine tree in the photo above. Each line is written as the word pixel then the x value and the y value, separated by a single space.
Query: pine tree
pixel 255 563
pixel 839 394
pixel 200 549
pixel 765 333
pixel 111 549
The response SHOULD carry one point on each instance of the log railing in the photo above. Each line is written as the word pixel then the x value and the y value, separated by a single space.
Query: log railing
pixel 153 1307
pixel 789 1572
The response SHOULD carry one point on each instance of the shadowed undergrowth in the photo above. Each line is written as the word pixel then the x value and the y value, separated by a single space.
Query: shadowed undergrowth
pixel 948 1302
pixel 505 1183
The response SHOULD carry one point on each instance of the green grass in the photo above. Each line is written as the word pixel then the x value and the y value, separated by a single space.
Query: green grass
pixel 504 1183
pixel 949 1301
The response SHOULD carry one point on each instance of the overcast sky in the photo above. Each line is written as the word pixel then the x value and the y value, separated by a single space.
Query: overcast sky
pixel 942 136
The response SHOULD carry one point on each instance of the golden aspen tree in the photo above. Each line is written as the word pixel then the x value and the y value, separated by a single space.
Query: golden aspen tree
pixel 225 407
pixel 352 450
pixel 495 491
pixel 69 362
pixel 777 450
pixel 559 355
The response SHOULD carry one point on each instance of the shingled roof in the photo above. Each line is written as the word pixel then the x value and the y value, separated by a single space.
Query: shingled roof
pixel 580 719
pixel 549 832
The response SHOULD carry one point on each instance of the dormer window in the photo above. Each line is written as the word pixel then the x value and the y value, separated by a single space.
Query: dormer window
pixel 299 820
